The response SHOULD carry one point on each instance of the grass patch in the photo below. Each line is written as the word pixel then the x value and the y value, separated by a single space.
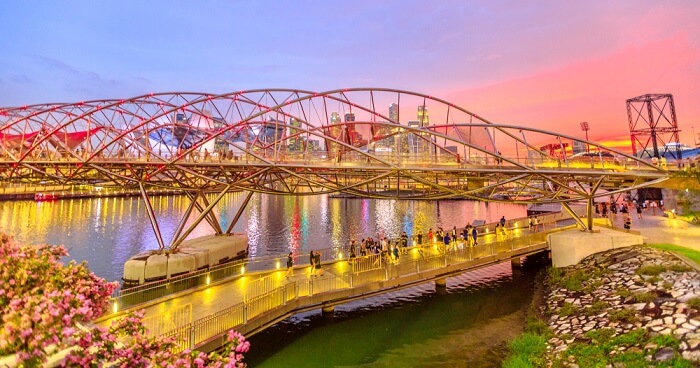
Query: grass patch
pixel 694 302
pixel 667 285
pixel 595 308
pixel 654 280
pixel 537 326
pixel 651 270
pixel 567 309
pixel 679 268
pixel 526 351
pixel 663 341
pixel 645 297
pixel 622 315
pixel 623 292
pixel 597 353
pixel 600 336
pixel 691 254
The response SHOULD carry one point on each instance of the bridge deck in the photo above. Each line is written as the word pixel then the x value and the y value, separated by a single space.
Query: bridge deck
pixel 252 302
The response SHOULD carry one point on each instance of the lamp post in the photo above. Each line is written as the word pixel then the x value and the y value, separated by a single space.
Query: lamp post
pixel 586 128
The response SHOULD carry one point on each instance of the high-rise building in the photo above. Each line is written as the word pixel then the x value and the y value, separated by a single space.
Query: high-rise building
pixel 349 116
pixel 423 117
pixel 296 140
pixel 394 112
pixel 335 118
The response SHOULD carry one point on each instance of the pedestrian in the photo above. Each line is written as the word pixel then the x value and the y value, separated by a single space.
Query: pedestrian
pixel 290 266
pixel 536 224
pixel 474 235
pixel 530 225
pixel 454 233
pixel 404 242
pixel 653 207
pixel 628 222
pixel 396 253
pixel 503 221
pixel 419 237
pixel 431 238
pixel 639 211
pixel 317 264
pixel 312 261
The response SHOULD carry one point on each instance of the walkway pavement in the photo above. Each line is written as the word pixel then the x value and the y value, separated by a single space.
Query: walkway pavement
pixel 659 229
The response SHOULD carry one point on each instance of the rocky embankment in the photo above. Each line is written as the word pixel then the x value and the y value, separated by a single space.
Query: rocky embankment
pixel 636 291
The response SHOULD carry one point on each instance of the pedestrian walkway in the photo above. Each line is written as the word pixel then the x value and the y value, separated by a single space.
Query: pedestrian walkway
pixel 253 301
pixel 660 229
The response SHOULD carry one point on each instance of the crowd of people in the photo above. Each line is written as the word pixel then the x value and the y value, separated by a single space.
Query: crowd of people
pixel 611 209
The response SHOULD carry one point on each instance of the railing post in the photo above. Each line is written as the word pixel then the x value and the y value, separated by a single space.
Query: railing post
pixel 311 287
pixel 192 342
pixel 351 280
pixel 245 313
pixel 284 295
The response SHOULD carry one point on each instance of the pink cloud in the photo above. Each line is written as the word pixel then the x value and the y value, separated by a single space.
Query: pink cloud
pixel 595 90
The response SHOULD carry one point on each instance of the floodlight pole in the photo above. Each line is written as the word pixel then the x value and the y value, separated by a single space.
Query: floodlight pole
pixel 586 128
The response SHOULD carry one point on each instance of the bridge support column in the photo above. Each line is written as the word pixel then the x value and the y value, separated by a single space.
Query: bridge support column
pixel 441 283
pixel 515 262
pixel 328 310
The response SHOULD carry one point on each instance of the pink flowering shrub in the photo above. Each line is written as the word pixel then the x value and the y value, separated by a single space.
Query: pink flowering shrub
pixel 42 302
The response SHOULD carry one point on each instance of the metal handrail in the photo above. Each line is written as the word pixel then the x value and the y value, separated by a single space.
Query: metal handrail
pixel 153 290
pixel 266 301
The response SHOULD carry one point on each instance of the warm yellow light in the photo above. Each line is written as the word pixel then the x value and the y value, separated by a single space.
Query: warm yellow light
pixel 242 269
pixel 277 265
pixel 115 307
pixel 414 243
pixel 208 280
pixel 340 255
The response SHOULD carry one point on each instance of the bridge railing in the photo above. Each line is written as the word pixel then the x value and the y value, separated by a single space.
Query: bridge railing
pixel 153 290
pixel 269 295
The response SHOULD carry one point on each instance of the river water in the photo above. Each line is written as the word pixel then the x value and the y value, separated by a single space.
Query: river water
pixel 105 232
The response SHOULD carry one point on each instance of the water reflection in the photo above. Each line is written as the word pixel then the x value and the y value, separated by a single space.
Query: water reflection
pixel 107 231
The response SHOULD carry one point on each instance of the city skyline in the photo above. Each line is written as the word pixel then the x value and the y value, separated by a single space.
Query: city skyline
pixel 549 65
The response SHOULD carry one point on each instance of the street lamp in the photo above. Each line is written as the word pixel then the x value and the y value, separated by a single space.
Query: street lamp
pixel 586 128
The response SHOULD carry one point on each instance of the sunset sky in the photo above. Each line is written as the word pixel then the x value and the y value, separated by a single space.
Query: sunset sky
pixel 544 64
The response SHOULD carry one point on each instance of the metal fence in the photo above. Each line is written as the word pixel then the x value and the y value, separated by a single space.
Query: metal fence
pixel 268 294
pixel 154 290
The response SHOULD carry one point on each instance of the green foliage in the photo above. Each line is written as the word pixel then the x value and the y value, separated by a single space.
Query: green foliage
pixel 622 315
pixel 651 270
pixel 567 309
pixel 663 341
pixel 667 285
pixel 654 280
pixel 555 275
pixel 572 280
pixel 595 308
pixel 630 359
pixel 645 297
pixel 587 355
pixel 600 336
pixel 679 268
pixel 636 337
pixel 537 326
pixel 623 292
pixel 593 286
pixel 526 351
pixel 694 302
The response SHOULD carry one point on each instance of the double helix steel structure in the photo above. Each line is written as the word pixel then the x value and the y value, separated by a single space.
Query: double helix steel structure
pixel 365 142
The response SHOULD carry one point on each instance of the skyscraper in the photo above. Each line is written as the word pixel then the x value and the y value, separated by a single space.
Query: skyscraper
pixel 394 112
pixel 423 117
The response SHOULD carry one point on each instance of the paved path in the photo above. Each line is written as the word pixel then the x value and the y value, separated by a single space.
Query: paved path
pixel 660 229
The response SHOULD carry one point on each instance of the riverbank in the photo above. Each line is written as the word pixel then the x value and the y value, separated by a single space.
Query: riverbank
pixel 629 307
